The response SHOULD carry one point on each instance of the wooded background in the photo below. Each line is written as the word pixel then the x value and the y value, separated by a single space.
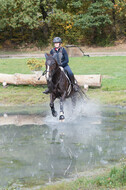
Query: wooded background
pixel 84 22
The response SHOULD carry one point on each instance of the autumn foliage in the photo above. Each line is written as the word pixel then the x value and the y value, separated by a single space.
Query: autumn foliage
pixel 98 22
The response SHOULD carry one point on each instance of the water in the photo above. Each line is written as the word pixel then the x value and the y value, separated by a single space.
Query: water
pixel 36 149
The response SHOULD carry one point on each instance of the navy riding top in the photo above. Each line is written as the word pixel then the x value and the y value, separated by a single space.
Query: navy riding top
pixel 62 56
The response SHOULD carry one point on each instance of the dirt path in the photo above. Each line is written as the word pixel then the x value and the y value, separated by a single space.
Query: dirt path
pixel 117 50
pixel 41 55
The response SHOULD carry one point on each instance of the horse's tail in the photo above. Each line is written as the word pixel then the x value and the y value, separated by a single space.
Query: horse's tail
pixel 82 93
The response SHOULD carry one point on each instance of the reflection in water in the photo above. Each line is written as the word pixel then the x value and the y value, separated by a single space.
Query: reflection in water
pixel 41 153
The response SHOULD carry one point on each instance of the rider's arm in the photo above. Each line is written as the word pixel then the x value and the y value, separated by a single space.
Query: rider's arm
pixel 65 58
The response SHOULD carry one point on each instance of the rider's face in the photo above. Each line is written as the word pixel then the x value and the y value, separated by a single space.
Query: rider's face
pixel 57 45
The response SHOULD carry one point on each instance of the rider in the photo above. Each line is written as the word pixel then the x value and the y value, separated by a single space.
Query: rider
pixel 61 56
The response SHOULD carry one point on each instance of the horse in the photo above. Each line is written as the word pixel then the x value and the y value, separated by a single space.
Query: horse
pixel 59 85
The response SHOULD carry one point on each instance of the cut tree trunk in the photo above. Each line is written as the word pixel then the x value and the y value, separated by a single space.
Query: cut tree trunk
pixel 90 80
pixel 32 79
pixel 22 79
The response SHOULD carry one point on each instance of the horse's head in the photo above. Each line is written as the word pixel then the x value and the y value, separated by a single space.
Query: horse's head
pixel 51 66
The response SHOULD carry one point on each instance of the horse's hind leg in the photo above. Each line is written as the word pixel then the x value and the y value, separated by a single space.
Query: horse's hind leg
pixel 52 98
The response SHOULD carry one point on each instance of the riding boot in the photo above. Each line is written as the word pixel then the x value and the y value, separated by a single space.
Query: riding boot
pixel 74 83
pixel 46 91
pixel 49 88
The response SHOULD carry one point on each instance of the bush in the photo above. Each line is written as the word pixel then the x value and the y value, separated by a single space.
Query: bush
pixel 35 64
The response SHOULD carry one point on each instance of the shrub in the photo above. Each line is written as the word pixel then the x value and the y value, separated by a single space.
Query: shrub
pixel 35 64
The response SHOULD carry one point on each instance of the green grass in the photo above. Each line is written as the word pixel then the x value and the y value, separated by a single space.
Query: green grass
pixel 112 91
pixel 114 67
pixel 22 95
pixel 115 178
pixel 11 66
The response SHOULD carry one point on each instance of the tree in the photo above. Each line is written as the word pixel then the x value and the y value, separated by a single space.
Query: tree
pixel 96 20
pixel 61 19
pixel 46 7
pixel 120 11
pixel 76 21
pixel 114 19
pixel 16 13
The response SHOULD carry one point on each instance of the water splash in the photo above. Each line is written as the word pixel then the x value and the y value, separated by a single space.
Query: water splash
pixel 82 109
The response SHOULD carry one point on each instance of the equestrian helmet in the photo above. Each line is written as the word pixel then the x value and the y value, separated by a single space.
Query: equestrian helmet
pixel 57 40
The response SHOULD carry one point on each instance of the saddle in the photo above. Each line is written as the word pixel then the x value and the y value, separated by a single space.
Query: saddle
pixel 71 80
pixel 66 74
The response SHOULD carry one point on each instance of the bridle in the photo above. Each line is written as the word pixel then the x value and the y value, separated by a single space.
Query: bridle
pixel 47 71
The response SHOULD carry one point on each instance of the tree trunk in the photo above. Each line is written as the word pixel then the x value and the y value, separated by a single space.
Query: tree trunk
pixel 114 20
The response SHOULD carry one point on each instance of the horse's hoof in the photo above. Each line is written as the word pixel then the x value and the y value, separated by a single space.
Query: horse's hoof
pixel 54 114
pixel 61 117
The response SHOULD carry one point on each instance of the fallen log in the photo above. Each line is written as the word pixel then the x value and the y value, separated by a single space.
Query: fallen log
pixel 90 80
pixel 22 79
pixel 32 79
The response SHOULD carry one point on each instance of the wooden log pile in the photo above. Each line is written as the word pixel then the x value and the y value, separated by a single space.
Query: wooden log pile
pixel 32 79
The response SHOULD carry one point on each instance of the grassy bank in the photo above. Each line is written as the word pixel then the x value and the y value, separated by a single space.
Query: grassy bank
pixel 113 90
pixel 110 179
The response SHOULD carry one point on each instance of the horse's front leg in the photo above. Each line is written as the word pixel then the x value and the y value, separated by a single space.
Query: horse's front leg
pixel 52 99
pixel 61 117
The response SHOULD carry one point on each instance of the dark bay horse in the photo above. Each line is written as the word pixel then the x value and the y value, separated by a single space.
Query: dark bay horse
pixel 59 85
